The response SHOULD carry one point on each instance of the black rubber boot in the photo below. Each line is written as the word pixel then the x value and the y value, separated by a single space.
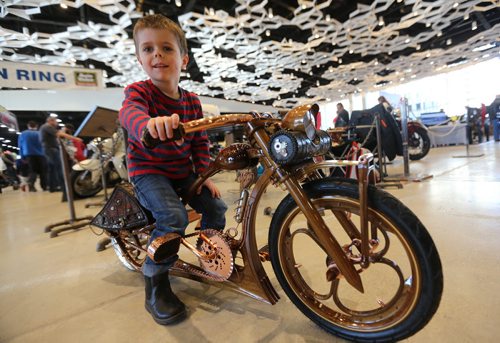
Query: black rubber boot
pixel 161 302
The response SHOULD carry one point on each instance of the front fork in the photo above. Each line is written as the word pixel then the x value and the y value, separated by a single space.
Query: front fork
pixel 318 226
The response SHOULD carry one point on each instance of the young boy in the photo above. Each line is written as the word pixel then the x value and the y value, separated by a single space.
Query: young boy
pixel 158 105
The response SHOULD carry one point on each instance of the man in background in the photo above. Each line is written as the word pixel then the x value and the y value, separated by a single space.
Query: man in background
pixel 31 151
pixel 342 118
pixel 48 136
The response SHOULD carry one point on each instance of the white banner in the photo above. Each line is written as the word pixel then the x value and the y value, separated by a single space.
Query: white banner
pixel 41 76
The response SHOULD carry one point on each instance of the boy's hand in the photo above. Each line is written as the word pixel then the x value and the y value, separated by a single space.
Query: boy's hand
pixel 211 187
pixel 162 127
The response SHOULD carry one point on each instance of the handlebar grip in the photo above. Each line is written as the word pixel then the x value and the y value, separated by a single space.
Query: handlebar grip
pixel 149 142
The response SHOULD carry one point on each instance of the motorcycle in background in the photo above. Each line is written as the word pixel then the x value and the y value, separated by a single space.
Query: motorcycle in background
pixel 108 156
pixel 419 142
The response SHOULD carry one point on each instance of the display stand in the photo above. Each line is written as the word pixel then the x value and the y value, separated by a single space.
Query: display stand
pixel 406 156
pixel 100 122
pixel 467 154
pixel 73 223
pixel 384 182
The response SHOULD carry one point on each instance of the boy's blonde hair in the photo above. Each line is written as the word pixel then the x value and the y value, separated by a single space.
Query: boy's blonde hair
pixel 160 22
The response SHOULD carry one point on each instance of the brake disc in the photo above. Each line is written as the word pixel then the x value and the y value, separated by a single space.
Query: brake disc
pixel 222 263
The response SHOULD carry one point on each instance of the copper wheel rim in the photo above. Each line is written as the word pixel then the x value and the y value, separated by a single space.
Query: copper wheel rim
pixel 304 269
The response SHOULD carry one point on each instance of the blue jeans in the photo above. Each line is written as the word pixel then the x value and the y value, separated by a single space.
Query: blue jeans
pixel 496 129
pixel 160 195
pixel 55 177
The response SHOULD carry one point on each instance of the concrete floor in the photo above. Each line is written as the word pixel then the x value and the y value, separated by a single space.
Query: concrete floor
pixel 61 290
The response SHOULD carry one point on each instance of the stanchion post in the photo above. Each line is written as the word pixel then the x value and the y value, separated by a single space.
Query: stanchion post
pixel 404 129
pixel 73 222
pixel 468 133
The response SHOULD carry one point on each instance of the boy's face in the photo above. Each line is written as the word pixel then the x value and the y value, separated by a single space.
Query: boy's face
pixel 159 54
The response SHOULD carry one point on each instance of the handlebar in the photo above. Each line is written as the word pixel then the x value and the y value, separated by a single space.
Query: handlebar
pixel 197 125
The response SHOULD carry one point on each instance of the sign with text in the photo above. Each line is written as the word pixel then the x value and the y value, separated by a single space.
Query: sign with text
pixel 41 76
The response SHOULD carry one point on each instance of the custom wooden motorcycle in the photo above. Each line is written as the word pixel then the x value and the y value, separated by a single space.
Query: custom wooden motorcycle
pixel 351 257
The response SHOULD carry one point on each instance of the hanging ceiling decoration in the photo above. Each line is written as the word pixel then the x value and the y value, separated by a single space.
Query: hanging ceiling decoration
pixel 272 52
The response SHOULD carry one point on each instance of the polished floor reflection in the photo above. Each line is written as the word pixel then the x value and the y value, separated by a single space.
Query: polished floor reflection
pixel 61 290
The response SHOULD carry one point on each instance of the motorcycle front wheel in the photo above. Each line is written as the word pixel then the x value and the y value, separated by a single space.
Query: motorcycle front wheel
pixel 82 184
pixel 402 284
pixel 419 144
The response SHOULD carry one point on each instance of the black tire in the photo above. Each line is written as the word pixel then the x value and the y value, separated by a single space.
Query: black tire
pixel 82 185
pixel 302 272
pixel 419 144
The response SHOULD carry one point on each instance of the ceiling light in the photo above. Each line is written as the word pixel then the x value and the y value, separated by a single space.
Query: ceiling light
pixel 484 47
pixel 54 115
pixel 448 41
pixel 270 13
pixel 328 18
pixel 63 6
pixel 418 47
pixel 428 25
pixel 474 25
pixel 340 61
pixel 466 16
pixel 376 62
pixel 407 40
pixel 455 5
pixel 351 51
pixel 317 83
pixel 381 21
pixel 268 33
pixel 178 3
pixel 440 33
pixel 12 130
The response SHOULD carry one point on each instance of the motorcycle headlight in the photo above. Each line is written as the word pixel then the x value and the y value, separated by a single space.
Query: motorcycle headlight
pixel 292 147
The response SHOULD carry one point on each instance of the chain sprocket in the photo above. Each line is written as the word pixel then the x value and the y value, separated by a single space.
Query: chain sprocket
pixel 221 265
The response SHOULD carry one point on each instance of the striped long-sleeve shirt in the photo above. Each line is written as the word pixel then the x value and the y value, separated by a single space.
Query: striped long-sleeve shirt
pixel 144 100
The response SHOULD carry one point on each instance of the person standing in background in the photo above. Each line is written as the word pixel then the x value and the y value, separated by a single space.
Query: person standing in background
pixel 383 101
pixel 342 118
pixel 485 122
pixel 31 150
pixel 48 137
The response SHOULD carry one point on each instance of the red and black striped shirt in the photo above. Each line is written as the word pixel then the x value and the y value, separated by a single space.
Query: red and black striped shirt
pixel 143 100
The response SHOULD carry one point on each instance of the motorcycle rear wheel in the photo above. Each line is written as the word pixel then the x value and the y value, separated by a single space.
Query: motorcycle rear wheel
pixel 130 248
pixel 402 285
pixel 419 144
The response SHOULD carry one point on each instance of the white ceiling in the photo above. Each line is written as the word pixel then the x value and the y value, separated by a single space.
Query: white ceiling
pixel 365 34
